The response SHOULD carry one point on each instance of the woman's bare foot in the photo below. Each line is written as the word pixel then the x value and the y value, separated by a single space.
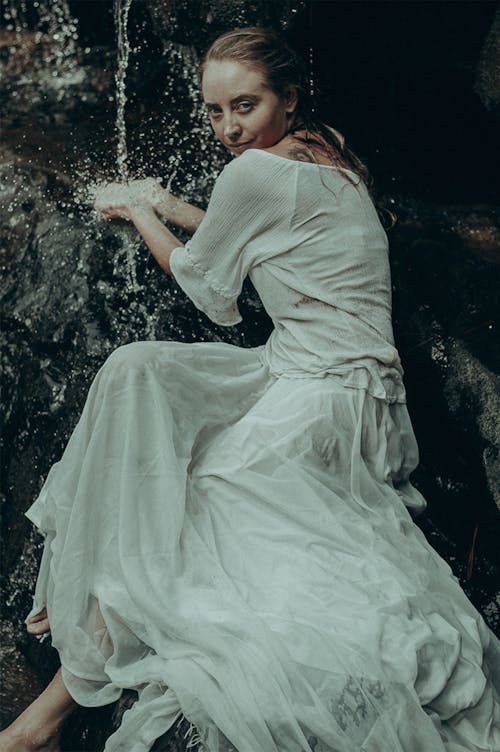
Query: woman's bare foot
pixel 38 728
pixel 38 623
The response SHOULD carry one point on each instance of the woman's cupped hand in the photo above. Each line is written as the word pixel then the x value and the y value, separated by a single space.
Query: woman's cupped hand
pixel 120 200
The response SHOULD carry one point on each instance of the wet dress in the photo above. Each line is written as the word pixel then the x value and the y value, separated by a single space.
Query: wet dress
pixel 230 530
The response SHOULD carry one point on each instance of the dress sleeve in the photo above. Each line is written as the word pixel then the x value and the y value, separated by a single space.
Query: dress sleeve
pixel 212 265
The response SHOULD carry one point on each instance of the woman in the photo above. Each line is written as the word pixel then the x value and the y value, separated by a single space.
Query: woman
pixel 228 530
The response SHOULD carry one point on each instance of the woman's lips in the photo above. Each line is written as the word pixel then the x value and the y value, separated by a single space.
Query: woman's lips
pixel 239 146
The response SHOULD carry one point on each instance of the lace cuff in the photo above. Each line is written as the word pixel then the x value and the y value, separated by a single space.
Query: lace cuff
pixel 218 303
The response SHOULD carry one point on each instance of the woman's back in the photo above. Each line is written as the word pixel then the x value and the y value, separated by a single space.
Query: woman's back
pixel 310 239
pixel 335 305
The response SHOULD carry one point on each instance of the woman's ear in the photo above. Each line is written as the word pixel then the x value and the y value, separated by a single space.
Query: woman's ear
pixel 291 99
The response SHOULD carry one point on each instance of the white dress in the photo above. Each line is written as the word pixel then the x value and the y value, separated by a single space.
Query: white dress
pixel 228 531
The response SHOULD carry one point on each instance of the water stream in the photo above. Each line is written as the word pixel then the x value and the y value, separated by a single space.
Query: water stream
pixel 121 13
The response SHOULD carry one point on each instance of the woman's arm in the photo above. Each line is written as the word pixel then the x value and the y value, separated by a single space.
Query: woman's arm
pixel 160 241
pixel 178 212
pixel 171 209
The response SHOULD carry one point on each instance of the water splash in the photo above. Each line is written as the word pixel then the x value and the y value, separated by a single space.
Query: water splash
pixel 121 11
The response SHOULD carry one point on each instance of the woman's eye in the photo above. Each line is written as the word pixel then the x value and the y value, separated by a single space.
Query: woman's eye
pixel 245 106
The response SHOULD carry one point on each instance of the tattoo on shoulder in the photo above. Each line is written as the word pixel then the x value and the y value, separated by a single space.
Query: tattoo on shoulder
pixel 300 154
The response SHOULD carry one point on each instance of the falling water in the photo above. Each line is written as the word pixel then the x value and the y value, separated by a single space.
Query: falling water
pixel 310 61
pixel 311 75
pixel 121 10
pixel 131 245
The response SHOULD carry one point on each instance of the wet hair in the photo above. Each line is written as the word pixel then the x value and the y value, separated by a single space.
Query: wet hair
pixel 266 51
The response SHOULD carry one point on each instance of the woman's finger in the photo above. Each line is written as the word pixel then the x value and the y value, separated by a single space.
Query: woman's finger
pixel 38 617
pixel 39 627
pixel 38 623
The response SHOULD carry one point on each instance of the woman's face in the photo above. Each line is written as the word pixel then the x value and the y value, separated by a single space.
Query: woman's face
pixel 244 112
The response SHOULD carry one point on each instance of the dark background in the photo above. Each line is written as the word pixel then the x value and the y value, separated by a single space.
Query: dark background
pixel 396 77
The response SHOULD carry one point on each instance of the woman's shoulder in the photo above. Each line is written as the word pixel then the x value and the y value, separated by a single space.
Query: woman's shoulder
pixel 296 150
pixel 256 161
pixel 264 168
pixel 255 172
pixel 288 155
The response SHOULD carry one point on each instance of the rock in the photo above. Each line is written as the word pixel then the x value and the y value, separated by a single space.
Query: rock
pixel 487 83
pixel 445 279
pixel 199 23
pixel 470 385
pixel 38 77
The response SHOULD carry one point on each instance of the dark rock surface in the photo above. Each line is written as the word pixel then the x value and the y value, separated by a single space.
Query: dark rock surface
pixel 446 275
pixel 198 23
pixel 487 82
pixel 75 288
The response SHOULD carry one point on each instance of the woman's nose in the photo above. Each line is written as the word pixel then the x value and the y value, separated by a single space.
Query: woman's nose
pixel 231 128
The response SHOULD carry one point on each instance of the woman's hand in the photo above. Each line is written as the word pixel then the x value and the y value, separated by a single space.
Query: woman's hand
pixel 38 623
pixel 120 200
pixel 127 200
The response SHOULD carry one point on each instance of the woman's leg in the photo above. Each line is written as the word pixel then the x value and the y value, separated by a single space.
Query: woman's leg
pixel 38 727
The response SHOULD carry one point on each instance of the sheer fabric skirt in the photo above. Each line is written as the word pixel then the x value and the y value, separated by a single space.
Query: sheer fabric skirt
pixel 238 548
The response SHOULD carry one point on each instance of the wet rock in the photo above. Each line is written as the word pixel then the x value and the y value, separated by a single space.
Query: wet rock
pixel 487 84
pixel 38 78
pixel 470 385
pixel 199 23
pixel 446 275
